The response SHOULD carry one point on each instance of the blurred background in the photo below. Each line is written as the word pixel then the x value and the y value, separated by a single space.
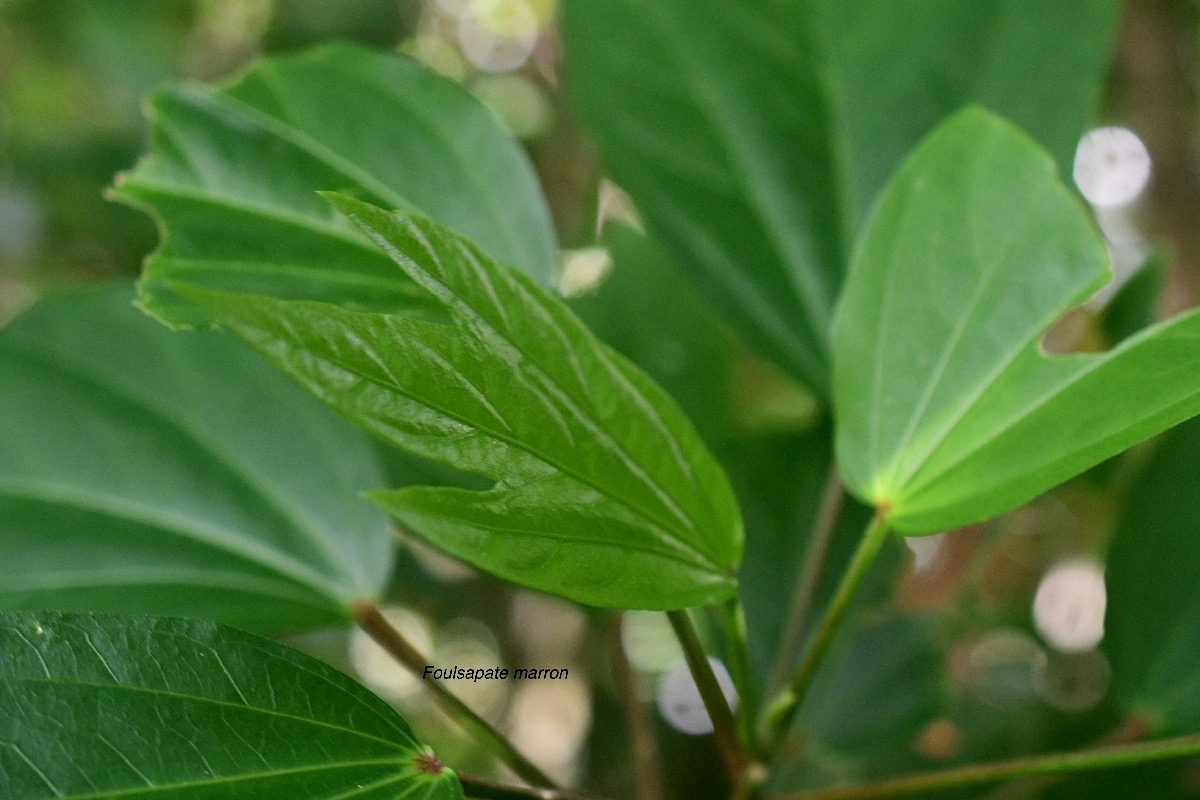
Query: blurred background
pixel 1016 618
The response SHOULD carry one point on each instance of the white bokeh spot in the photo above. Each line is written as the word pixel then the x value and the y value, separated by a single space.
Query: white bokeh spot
pixel 1112 166
pixel 498 35
pixel 679 700
pixel 1068 608
pixel 924 549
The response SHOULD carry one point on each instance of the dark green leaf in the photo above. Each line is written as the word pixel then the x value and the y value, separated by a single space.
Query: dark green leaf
pixel 754 134
pixel 603 491
pixel 948 409
pixel 647 312
pixel 148 472
pixel 1135 306
pixel 1152 626
pixel 234 173
pixel 880 686
pixel 107 707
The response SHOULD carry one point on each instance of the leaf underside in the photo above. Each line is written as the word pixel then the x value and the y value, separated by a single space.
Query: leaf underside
pixel 143 471
pixel 603 492
pixel 754 135
pixel 106 707
pixel 233 175
pixel 948 409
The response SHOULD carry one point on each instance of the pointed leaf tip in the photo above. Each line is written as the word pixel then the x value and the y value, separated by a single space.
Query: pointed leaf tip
pixel 603 491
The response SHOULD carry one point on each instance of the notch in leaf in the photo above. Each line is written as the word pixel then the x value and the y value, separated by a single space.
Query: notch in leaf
pixel 233 173
pixel 948 409
pixel 603 493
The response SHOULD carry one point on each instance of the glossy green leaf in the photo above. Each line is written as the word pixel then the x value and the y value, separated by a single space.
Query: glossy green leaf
pixel 754 134
pixel 234 174
pixel 109 707
pixel 948 409
pixel 143 471
pixel 1152 624
pixel 603 492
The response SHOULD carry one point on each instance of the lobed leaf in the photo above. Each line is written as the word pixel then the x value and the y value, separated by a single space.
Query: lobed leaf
pixel 754 134
pixel 603 492
pixel 233 175
pixel 108 707
pixel 948 409
pixel 143 471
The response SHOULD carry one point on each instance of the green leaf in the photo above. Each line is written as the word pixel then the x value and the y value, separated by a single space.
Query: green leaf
pixel 646 312
pixel 234 172
pixel 143 471
pixel 603 492
pixel 754 134
pixel 948 409
pixel 1135 305
pixel 1152 625
pixel 107 707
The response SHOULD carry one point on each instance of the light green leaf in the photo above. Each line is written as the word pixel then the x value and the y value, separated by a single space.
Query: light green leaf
pixel 948 409
pixel 234 172
pixel 603 492
pixel 107 707
pixel 143 471
pixel 754 134
pixel 1152 626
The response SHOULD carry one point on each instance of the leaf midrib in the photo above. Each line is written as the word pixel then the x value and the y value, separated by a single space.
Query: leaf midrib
pixel 991 272
pixel 573 538
pixel 222 199
pixel 121 509
pixel 86 579
pixel 253 776
pixel 447 294
pixel 807 292
pixel 173 695
pixel 508 223
pixel 298 139
pixel 517 444
pixel 296 518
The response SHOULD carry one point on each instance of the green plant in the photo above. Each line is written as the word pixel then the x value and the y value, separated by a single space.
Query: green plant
pixel 898 245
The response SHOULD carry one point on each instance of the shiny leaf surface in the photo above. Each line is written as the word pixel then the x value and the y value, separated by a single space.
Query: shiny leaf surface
pixel 603 491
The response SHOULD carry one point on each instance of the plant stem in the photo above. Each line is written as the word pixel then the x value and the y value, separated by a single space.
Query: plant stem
pixel 734 623
pixel 647 779
pixel 1131 730
pixel 782 710
pixel 724 729
pixel 484 789
pixel 1053 764
pixel 805 591
pixel 385 634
